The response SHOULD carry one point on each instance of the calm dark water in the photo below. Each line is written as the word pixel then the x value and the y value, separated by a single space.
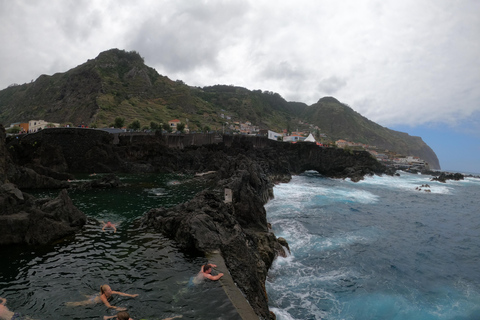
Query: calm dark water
pixel 38 281
pixel 377 249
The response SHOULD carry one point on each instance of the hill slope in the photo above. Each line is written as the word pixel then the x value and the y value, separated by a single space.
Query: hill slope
pixel 339 121
pixel 118 83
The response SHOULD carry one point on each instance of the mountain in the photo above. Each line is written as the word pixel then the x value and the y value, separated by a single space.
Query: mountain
pixel 339 121
pixel 119 84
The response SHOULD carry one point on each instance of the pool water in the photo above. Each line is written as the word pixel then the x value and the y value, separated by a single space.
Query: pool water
pixel 38 281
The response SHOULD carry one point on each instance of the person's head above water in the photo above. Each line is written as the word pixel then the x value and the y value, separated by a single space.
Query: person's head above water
pixel 123 315
pixel 106 290
pixel 207 268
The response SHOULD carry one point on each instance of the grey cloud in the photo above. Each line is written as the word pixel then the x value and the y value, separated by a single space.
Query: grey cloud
pixel 192 36
pixel 331 85
pixel 78 22
pixel 282 71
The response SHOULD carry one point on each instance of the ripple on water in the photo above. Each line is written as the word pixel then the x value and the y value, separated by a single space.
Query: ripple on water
pixel 38 281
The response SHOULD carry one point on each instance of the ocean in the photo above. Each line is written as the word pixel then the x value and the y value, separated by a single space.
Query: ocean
pixel 381 248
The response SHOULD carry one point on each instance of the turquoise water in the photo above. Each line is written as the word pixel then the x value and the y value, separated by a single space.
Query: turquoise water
pixel 377 249
pixel 38 281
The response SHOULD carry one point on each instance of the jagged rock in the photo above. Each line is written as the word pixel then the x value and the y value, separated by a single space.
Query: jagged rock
pixel 26 178
pixel 23 221
pixel 66 150
pixel 238 229
pixel 443 177
pixel 283 243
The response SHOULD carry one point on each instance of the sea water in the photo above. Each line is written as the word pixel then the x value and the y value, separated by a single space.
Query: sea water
pixel 38 281
pixel 382 248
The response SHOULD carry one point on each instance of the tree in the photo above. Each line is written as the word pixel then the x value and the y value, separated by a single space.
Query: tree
pixel 15 129
pixel 206 129
pixel 166 127
pixel 154 126
pixel 181 127
pixel 119 122
pixel 135 125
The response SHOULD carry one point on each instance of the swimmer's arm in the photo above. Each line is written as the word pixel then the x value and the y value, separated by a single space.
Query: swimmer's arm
pixel 218 276
pixel 105 301
pixel 4 301
pixel 125 294
pixel 110 317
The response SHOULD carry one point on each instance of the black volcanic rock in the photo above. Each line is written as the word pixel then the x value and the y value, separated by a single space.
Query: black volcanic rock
pixel 26 220
pixel 66 150
pixel 443 177
pixel 237 229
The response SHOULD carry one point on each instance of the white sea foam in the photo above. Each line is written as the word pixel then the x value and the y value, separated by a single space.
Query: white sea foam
pixel 343 240
pixel 156 191
pixel 282 314
pixel 407 182
pixel 298 191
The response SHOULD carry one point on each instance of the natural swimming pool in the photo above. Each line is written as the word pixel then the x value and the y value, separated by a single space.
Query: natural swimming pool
pixel 38 281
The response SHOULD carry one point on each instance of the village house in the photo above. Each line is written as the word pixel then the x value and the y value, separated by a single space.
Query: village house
pixel 341 143
pixel 294 138
pixel 272 135
pixel 174 123
pixel 36 125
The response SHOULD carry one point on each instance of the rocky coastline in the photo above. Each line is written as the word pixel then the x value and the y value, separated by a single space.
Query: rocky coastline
pixel 227 217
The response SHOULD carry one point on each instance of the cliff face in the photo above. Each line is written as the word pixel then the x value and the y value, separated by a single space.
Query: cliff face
pixel 26 220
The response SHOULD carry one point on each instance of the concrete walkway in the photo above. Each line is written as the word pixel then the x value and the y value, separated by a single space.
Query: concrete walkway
pixel 234 294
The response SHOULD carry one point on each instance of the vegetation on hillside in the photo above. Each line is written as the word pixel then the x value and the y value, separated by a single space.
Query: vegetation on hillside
pixel 118 84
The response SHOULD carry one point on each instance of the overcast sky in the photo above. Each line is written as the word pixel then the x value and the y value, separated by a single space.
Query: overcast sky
pixel 409 65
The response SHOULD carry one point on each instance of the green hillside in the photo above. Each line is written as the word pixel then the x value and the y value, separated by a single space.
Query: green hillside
pixel 339 121
pixel 119 84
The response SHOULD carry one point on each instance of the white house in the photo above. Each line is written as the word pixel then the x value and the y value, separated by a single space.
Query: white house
pixel 36 125
pixel 273 135
pixel 293 138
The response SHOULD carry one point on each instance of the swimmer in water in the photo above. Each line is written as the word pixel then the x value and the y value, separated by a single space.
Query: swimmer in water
pixel 206 273
pixel 105 293
pixel 123 315
pixel 6 314
pixel 109 225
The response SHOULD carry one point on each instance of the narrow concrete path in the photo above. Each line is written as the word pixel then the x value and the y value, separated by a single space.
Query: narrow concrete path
pixel 234 294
